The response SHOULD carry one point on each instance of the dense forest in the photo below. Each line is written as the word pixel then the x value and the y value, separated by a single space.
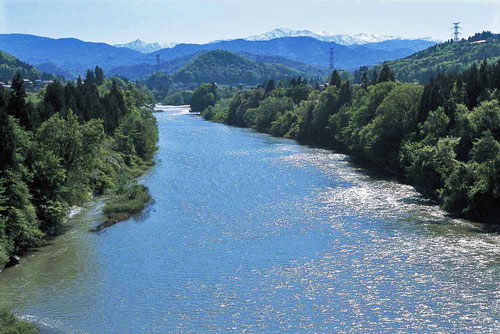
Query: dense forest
pixel 64 145
pixel 445 58
pixel 442 137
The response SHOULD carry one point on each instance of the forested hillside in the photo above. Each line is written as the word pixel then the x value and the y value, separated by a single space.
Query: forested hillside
pixel 70 57
pixel 229 68
pixel 445 58
pixel 79 140
pixel 10 65
pixel 444 138
pixel 171 66
pixel 221 67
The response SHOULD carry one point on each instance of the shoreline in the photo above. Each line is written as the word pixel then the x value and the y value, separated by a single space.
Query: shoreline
pixel 491 224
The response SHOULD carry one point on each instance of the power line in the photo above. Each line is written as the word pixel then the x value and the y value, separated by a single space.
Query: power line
pixel 332 60
pixel 456 34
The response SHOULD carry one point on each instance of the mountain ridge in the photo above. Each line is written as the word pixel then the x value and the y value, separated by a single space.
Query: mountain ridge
pixel 145 47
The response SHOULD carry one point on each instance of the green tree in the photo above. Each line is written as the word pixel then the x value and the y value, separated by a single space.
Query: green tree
pixel 17 106
pixel 385 74
pixel 335 79
pixel 99 75
pixel 203 97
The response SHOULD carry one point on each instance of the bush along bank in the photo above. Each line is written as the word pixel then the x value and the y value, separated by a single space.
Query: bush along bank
pixel 9 324
pixel 92 137
pixel 442 137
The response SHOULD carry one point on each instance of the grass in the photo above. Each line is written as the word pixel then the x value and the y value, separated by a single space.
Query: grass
pixel 9 324
pixel 128 202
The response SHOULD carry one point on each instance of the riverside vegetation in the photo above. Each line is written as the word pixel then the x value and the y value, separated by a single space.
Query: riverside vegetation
pixel 64 145
pixel 443 137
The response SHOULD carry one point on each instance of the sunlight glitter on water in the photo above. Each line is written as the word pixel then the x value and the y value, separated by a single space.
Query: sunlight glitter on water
pixel 254 234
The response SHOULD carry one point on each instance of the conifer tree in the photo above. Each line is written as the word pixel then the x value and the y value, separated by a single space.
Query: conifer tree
pixel 17 102
pixel 375 77
pixel 90 78
pixel 386 74
pixel 364 81
pixel 335 79
pixel 99 76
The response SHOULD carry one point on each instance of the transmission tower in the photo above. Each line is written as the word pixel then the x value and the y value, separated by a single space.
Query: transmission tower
pixel 332 60
pixel 457 33
pixel 158 59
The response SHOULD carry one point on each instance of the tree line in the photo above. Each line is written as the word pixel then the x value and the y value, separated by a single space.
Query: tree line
pixel 442 137
pixel 64 145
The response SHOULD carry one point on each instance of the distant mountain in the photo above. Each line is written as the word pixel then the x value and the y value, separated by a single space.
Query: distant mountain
pixel 71 55
pixel 325 36
pixel 56 70
pixel 145 47
pixel 307 50
pixel 226 67
pixel 445 58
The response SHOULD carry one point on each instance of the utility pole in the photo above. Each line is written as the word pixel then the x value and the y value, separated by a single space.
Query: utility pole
pixel 158 58
pixel 332 60
pixel 457 33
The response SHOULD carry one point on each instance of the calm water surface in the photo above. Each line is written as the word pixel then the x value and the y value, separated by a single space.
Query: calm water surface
pixel 253 234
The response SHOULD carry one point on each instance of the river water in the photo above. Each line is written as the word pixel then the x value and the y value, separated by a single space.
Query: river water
pixel 254 234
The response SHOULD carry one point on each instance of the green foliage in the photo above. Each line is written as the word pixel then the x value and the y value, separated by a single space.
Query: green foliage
pixel 130 200
pixel 225 67
pixel 10 66
pixel 205 95
pixel 67 154
pixel 137 136
pixel 10 325
pixel 445 58
pixel 217 113
pixel 444 138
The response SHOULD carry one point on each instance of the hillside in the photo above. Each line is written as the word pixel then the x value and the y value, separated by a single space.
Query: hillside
pixel 68 54
pixel 307 50
pixel 141 71
pixel 10 65
pixel 171 66
pixel 71 56
pixel 445 58
pixel 229 68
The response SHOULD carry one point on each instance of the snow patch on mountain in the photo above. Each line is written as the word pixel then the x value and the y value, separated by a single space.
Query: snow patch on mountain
pixel 145 47
pixel 358 39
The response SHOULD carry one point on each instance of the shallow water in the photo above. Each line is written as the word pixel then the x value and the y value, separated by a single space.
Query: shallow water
pixel 254 234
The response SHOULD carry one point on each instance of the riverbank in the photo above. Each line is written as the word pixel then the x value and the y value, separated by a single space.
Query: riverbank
pixel 252 233
pixel 450 152
pixel 9 324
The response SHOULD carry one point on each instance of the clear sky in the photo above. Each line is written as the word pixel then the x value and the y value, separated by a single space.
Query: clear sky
pixel 120 21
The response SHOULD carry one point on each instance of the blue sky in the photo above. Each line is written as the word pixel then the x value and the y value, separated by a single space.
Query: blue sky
pixel 120 21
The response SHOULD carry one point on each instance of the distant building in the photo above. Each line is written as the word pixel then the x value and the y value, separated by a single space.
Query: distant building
pixel 28 84
pixel 39 84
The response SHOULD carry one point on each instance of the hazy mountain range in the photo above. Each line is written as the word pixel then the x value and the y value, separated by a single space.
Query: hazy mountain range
pixel 325 36
pixel 70 57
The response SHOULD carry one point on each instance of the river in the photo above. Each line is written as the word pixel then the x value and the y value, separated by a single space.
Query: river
pixel 254 234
